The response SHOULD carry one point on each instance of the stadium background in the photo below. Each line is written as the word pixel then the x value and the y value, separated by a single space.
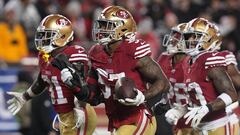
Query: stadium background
pixel 18 56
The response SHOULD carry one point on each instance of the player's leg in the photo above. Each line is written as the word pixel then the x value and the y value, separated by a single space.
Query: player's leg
pixel 66 123
pixel 91 119
pixel 151 127
pixel 184 131
pixel 228 129
pixel 147 126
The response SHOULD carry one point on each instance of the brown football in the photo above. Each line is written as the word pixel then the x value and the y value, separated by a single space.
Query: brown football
pixel 124 88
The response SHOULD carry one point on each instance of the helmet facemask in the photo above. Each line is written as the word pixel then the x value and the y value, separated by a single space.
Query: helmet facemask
pixel 44 40
pixel 174 42
pixel 53 32
pixel 104 31
pixel 201 36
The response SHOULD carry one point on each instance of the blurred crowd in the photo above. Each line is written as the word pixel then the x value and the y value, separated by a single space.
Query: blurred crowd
pixel 20 18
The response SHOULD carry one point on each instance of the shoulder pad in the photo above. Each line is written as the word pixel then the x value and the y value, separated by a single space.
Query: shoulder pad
pixel 229 57
pixel 96 53
pixel 140 48
pixel 214 59
pixel 163 56
pixel 76 53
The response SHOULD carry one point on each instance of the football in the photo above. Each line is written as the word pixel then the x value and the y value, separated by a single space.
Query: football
pixel 124 88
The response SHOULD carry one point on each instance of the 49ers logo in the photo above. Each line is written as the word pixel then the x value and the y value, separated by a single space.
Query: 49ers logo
pixel 62 22
pixel 122 14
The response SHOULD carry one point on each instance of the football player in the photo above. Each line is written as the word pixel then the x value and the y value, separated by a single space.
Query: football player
pixel 52 39
pixel 209 88
pixel 173 63
pixel 179 94
pixel 119 54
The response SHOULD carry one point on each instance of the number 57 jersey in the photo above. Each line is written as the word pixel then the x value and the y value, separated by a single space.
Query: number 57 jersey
pixel 110 68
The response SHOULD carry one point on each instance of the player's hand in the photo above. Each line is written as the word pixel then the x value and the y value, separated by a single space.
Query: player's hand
pixel 60 62
pixel 139 99
pixel 174 114
pixel 66 76
pixel 79 117
pixel 195 114
pixel 15 103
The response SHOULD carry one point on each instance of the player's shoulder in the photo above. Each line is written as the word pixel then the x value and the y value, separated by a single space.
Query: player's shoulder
pixel 95 49
pixel 164 56
pixel 76 53
pixel 138 48
pixel 74 48
pixel 229 57
pixel 212 59
pixel 97 53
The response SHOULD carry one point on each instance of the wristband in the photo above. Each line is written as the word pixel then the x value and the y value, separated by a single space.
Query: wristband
pixel 225 98
pixel 26 96
pixel 30 92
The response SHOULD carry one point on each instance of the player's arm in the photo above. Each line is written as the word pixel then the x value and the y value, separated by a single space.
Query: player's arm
pixel 227 95
pixel 234 74
pixel 19 99
pixel 224 86
pixel 95 95
pixel 152 73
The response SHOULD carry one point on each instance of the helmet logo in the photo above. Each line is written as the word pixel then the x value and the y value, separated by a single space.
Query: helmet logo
pixel 122 14
pixel 62 22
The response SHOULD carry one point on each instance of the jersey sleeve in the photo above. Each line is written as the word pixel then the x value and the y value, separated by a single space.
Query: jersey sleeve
pixel 140 49
pixel 215 60
pixel 77 53
pixel 230 58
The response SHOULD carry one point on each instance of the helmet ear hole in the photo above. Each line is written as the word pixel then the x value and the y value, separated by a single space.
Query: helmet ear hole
pixel 63 36
pixel 123 30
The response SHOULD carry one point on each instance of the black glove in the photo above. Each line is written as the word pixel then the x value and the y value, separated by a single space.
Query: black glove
pixel 61 62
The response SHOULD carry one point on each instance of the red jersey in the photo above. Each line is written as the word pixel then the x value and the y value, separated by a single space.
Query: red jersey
pixel 62 98
pixel 109 69
pixel 200 88
pixel 176 76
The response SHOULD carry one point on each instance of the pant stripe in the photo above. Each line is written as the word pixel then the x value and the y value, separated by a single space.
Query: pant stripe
pixel 227 129
pixel 230 129
pixel 141 124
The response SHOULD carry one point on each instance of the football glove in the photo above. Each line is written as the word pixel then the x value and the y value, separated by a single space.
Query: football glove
pixel 139 99
pixel 61 62
pixel 15 103
pixel 196 114
pixel 66 76
pixel 69 75
pixel 174 114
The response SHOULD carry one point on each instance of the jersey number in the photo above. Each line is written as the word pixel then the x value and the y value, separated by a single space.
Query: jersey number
pixel 57 98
